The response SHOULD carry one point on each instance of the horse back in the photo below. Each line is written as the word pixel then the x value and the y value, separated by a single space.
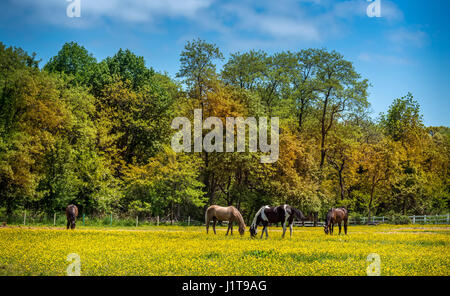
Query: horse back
pixel 71 211
pixel 340 215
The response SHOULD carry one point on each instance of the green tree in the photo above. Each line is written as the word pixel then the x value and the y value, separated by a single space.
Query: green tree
pixel 75 60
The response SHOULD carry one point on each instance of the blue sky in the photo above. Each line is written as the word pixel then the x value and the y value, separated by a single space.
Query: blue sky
pixel 405 50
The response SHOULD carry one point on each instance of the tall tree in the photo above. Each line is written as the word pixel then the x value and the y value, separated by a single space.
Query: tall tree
pixel 73 59
pixel 340 91
pixel 197 66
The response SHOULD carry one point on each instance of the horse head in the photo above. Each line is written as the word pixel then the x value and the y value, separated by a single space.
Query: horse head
pixel 253 230
pixel 325 228
pixel 241 229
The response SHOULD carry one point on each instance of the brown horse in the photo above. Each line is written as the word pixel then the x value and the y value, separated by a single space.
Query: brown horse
pixel 72 214
pixel 230 214
pixel 336 216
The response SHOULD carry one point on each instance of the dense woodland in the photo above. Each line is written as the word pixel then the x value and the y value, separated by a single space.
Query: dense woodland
pixel 97 134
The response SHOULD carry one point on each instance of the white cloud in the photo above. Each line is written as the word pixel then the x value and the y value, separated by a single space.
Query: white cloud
pixel 120 10
pixel 383 59
pixel 281 21
pixel 402 38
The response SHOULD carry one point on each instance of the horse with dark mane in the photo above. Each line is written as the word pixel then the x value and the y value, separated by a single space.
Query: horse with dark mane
pixel 336 216
pixel 230 214
pixel 284 214
pixel 72 214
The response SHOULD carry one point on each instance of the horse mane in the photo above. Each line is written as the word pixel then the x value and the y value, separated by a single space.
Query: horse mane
pixel 298 213
pixel 239 217
pixel 328 219
pixel 256 215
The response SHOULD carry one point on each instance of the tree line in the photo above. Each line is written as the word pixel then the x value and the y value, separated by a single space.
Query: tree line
pixel 97 134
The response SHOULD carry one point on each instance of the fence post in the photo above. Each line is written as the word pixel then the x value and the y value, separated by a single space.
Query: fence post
pixel 383 219
pixel 25 217
pixel 189 220
pixel 54 219
pixel 414 219
pixel 448 218
pixel 425 219
pixel 157 220
pixel 137 221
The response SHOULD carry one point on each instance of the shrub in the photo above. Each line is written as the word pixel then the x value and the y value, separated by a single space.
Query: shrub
pixel 399 219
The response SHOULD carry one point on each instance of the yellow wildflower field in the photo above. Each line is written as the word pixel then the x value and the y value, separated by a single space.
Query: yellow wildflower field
pixel 175 250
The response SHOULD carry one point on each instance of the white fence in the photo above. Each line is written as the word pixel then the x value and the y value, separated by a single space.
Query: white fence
pixel 415 219
pixel 309 223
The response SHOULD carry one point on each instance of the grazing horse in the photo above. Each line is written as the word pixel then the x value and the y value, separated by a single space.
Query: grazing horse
pixel 230 214
pixel 71 213
pixel 284 214
pixel 336 216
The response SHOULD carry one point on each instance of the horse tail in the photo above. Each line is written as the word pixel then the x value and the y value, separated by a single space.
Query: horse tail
pixel 298 214
pixel 256 215
pixel 206 215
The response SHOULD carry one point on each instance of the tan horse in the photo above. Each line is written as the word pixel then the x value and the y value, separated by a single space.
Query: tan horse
pixel 230 214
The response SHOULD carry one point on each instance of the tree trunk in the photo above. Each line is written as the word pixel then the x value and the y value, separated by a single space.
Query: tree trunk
pixel 341 182
pixel 370 203
pixel 9 210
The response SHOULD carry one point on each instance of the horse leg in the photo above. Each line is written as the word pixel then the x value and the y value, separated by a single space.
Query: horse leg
pixel 290 229
pixel 68 224
pixel 340 227
pixel 284 229
pixel 214 225
pixel 229 227
pixel 345 227
pixel 262 232
pixel 267 233
pixel 332 227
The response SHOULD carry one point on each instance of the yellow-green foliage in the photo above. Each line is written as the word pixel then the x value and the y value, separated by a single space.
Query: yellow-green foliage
pixel 174 250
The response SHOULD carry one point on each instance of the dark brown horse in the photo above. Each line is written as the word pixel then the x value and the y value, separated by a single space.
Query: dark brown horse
pixel 71 214
pixel 336 216
pixel 284 214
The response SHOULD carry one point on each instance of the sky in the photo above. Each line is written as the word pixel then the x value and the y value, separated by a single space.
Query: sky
pixel 405 49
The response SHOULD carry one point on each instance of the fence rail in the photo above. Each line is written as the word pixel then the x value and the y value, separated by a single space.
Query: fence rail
pixel 415 219
pixel 59 219
pixel 374 220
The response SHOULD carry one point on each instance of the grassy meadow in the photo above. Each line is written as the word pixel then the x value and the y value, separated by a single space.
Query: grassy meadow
pixel 176 250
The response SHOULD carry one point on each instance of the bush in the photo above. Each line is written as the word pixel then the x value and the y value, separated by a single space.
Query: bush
pixel 399 219
pixel 358 218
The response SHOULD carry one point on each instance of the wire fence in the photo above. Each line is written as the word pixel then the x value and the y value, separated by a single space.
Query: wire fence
pixel 59 219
